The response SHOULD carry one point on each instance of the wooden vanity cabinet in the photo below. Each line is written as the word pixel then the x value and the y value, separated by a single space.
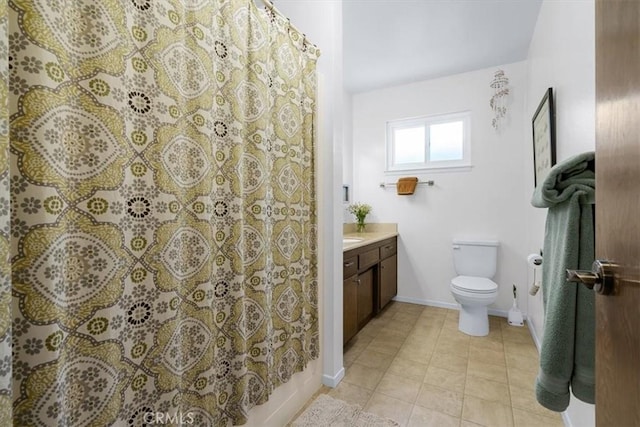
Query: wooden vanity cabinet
pixel 388 280
pixel 388 272
pixel 365 297
pixel 370 282
pixel 350 299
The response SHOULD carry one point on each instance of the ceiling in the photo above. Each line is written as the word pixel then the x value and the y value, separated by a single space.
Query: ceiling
pixel 392 42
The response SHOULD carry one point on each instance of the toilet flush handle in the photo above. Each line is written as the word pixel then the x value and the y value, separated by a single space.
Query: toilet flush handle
pixel 456 247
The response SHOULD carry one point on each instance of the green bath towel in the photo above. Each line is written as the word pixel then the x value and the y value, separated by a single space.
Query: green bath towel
pixel 567 354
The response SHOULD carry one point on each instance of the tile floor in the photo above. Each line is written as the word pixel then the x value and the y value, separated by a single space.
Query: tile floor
pixel 411 364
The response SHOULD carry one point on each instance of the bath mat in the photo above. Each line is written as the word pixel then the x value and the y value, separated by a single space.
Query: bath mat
pixel 325 411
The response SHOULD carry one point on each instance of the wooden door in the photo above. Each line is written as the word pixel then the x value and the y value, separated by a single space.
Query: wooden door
pixel 388 279
pixel 350 308
pixel 365 296
pixel 618 210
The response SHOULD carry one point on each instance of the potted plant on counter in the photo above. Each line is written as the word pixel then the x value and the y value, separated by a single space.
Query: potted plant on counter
pixel 360 210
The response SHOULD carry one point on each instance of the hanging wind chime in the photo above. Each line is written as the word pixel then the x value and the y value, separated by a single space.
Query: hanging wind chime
pixel 498 102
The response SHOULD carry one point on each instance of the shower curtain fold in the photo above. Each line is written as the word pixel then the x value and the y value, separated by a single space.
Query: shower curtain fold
pixel 157 161
pixel 6 369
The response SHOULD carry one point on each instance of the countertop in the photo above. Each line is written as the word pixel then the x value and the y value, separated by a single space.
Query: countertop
pixel 366 238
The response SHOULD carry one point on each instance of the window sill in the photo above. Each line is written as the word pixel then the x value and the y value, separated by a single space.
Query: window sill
pixel 435 169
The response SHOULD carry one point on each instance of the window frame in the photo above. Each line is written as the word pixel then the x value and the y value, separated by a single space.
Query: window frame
pixel 426 122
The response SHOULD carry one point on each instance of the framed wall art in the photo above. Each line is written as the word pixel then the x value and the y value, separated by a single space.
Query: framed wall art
pixel 544 138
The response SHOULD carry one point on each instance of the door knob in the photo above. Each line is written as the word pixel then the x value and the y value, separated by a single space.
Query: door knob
pixel 600 278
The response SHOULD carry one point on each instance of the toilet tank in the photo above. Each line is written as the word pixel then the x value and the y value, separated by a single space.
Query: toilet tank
pixel 475 257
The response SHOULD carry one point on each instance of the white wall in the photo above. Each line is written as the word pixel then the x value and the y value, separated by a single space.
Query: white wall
pixel 322 23
pixel 485 202
pixel 347 154
pixel 562 56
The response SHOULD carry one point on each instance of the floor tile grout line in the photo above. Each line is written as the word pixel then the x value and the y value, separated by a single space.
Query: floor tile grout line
pixel 506 364
pixel 387 370
pixel 383 374
pixel 420 386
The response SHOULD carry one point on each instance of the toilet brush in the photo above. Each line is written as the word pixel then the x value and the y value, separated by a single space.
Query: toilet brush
pixel 515 316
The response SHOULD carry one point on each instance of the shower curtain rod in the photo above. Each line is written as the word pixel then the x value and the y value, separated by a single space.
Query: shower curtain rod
pixel 269 4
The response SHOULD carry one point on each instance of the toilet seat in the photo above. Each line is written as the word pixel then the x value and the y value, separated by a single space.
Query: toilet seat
pixel 474 285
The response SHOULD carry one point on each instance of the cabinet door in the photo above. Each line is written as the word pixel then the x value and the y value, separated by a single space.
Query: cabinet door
pixel 350 308
pixel 388 280
pixel 365 296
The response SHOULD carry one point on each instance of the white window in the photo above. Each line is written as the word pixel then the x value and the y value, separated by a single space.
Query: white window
pixel 429 142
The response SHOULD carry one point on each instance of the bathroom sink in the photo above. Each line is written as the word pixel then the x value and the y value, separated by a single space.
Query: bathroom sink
pixel 347 240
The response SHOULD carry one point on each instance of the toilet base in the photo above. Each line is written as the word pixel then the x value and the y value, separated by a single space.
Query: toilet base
pixel 474 320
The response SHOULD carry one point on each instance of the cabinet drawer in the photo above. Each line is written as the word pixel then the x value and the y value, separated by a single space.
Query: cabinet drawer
pixel 349 266
pixel 388 248
pixel 368 258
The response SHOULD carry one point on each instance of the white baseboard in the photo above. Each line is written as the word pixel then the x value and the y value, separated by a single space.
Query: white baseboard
pixel 566 420
pixel 499 313
pixel 334 380
pixel 431 303
pixel 534 335
pixel 451 306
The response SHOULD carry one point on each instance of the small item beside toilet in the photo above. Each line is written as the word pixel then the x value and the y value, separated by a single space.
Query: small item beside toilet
pixel 535 262
pixel 515 316
pixel 535 286
pixel 406 186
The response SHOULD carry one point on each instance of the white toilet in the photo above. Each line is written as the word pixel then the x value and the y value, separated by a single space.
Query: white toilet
pixel 475 263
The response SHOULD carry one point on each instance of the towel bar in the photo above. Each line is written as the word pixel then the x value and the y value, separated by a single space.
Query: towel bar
pixel 430 183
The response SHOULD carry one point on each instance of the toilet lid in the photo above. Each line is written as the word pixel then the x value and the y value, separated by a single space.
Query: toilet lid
pixel 478 285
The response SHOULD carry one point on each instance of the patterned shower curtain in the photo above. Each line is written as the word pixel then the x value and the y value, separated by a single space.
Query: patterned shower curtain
pixel 157 171
pixel 5 219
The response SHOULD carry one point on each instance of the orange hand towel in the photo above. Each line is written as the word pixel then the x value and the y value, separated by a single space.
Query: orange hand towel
pixel 406 186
